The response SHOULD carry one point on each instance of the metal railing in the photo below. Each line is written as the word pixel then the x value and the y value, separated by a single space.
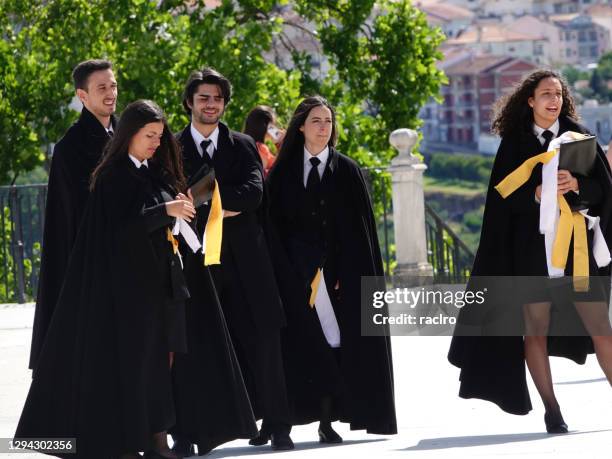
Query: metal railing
pixel 446 252
pixel 22 210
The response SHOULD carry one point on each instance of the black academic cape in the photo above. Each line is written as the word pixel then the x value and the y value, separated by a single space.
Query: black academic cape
pixel 493 367
pixel 212 403
pixel 360 378
pixel 74 159
pixel 103 373
pixel 239 174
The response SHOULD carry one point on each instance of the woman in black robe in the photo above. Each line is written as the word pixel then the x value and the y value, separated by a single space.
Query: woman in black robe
pixel 321 210
pixel 493 367
pixel 103 375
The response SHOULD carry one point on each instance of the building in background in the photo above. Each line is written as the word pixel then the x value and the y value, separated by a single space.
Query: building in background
pixel 462 121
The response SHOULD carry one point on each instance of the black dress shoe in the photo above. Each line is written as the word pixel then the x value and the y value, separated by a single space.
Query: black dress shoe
pixel 555 423
pixel 328 435
pixel 282 442
pixel 203 449
pixel 183 448
pixel 262 439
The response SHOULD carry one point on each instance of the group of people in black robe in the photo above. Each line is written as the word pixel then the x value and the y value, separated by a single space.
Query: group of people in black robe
pixel 137 336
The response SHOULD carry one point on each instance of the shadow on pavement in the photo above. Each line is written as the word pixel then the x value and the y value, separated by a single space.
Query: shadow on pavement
pixel 299 446
pixel 580 381
pixel 485 440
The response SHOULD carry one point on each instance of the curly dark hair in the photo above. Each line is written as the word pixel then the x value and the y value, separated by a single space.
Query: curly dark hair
pixel 513 113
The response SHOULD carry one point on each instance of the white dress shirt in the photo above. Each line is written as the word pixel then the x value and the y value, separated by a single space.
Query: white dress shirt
pixel 198 138
pixel 537 130
pixel 137 162
pixel 323 156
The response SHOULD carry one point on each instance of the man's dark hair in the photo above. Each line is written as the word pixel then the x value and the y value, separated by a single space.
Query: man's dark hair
pixel 207 75
pixel 82 71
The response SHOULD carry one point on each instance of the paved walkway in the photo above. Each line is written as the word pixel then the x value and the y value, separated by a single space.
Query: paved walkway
pixel 433 421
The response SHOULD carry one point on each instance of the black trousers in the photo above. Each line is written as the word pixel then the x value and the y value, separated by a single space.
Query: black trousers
pixel 259 351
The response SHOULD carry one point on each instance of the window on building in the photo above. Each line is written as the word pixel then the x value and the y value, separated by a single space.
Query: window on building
pixel 582 37
pixel 568 52
pixel 593 35
pixel 594 51
pixel 539 49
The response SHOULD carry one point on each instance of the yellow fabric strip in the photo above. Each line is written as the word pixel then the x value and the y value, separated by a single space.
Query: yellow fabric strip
pixel 581 254
pixel 172 240
pixel 521 174
pixel 314 286
pixel 565 228
pixel 214 230
pixel 569 223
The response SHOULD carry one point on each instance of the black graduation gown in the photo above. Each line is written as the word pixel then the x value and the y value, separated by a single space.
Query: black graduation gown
pixel 493 368
pixel 103 373
pixel 212 403
pixel 74 159
pixel 236 161
pixel 361 379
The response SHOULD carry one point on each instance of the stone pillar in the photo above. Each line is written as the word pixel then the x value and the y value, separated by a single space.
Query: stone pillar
pixel 409 209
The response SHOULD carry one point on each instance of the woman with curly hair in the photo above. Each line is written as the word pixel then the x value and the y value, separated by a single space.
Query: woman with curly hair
pixel 540 109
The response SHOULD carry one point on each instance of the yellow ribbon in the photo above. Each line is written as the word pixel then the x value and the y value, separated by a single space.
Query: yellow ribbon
pixel 214 230
pixel 521 174
pixel 172 240
pixel 572 222
pixel 569 223
pixel 314 286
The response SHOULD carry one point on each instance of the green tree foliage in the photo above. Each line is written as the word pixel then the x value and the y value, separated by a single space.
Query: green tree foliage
pixel 381 58
pixel 462 167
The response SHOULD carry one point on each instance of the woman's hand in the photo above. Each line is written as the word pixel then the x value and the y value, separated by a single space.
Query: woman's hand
pixel 566 182
pixel 181 208
pixel 539 192
pixel 188 197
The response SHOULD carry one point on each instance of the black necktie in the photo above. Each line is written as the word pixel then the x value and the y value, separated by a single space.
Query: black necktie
pixel 205 156
pixel 548 135
pixel 110 133
pixel 313 181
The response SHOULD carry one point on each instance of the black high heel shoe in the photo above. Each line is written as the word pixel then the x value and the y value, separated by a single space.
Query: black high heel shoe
pixel 328 435
pixel 183 448
pixel 555 423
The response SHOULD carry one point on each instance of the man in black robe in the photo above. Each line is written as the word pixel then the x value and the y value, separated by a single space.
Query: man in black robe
pixel 74 158
pixel 245 279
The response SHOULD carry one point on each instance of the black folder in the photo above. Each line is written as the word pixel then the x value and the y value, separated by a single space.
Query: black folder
pixel 202 184
pixel 578 156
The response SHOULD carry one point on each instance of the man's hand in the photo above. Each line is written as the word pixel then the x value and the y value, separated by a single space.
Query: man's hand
pixel 230 213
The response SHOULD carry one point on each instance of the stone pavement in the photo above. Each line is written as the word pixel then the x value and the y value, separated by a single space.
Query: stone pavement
pixel 433 421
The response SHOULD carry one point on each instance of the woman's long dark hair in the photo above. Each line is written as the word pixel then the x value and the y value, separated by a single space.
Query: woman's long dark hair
pixel 167 156
pixel 294 138
pixel 513 113
pixel 257 121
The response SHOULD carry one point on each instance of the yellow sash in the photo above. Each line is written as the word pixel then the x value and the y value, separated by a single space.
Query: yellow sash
pixel 569 223
pixel 314 286
pixel 214 230
pixel 172 240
